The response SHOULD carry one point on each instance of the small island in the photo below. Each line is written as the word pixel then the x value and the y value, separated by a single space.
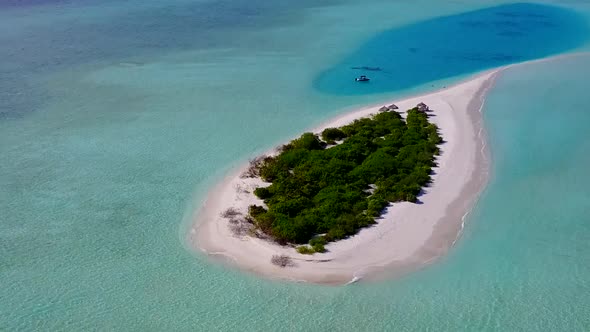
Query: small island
pixel 370 193
pixel 324 188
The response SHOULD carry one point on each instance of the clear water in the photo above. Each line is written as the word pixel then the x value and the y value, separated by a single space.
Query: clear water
pixel 454 45
pixel 118 116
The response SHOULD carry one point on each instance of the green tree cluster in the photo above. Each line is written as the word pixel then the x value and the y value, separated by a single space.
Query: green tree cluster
pixel 320 194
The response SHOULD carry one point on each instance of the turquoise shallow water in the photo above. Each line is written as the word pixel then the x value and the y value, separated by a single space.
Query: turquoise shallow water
pixel 116 117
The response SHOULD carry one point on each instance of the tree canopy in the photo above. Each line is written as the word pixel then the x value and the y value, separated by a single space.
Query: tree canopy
pixel 321 193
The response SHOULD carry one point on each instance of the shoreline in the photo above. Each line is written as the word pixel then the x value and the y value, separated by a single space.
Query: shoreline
pixel 407 237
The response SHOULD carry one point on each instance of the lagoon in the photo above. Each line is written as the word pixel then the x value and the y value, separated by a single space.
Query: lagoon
pixel 455 45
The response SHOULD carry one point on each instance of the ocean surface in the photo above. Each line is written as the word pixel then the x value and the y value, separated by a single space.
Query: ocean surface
pixel 454 45
pixel 117 117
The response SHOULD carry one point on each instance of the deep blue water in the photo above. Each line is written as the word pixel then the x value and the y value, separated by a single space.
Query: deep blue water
pixel 455 45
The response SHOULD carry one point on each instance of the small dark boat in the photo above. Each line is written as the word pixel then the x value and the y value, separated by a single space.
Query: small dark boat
pixel 362 78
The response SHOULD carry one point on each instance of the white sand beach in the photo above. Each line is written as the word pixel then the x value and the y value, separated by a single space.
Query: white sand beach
pixel 408 235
